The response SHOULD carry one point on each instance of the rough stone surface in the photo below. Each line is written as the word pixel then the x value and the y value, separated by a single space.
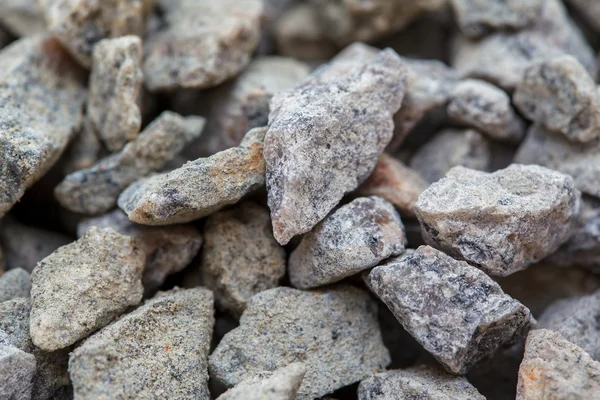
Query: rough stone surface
pixel 355 237
pixel 339 119
pixel 240 256
pixel 96 190
pixel 200 44
pixel 42 95
pixel 17 369
pixel 158 351
pixel 485 107
pixel 559 94
pixel 500 222
pixel 82 286
pixel 281 384
pixel 22 17
pixel 14 283
pixel 168 249
pixel 200 187
pixel 421 382
pixel 333 332
pixel 455 311
pixel 554 368
pixel 450 148
pixel 115 86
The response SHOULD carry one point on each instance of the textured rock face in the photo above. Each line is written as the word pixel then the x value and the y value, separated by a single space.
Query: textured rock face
pixel 559 94
pixel 281 384
pixel 159 350
pixel 115 85
pixel 96 190
pixel 199 188
pixel 200 44
pixel 455 311
pixel 17 369
pixel 556 369
pixel 42 95
pixel 421 382
pixel 240 256
pixel 355 237
pixel 82 286
pixel 333 332
pixel 500 222
pixel 14 284
pixel 340 119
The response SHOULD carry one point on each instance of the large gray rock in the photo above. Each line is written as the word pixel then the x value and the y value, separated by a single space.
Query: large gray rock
pixel 14 284
pixel 17 369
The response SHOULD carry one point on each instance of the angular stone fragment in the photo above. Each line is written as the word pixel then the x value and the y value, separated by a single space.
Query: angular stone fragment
pixel 84 151
pixel 41 95
pixel 96 190
pixel 159 350
pixel 14 283
pixel 355 237
pixel 200 44
pixel 240 256
pixel 281 384
pixel 17 369
pixel 485 107
pixel 421 382
pixel 22 17
pixel 168 249
pixel 559 94
pixel 455 311
pixel 200 187
pixel 334 332
pixel 450 148
pixel 500 222
pixel 340 119
pixel 554 368
pixel 115 86
pixel 81 287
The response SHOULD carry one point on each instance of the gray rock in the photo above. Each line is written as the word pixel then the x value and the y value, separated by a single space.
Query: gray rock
pixel 451 148
pixel 42 96
pixel 455 311
pixel 22 17
pixel 96 190
pixel 14 283
pixel 200 187
pixel 281 384
pixel 240 256
pixel 159 350
pixel 421 382
pixel 340 119
pixel 82 286
pixel 334 332
pixel 17 369
pixel 554 368
pixel 355 237
pixel 500 222
pixel 115 86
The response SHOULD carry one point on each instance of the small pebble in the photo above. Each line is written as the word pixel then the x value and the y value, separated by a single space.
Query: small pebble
pixel 17 369
pixel 14 284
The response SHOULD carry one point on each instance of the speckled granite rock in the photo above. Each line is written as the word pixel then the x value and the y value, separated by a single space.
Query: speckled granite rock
pixel 334 332
pixel 82 286
pixel 17 369
pixel 355 237
pixel 22 17
pixel 455 311
pixel 14 284
pixel 500 222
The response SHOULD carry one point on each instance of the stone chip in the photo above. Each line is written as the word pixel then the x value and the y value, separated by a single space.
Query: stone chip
pixel 17 369
pixel 14 284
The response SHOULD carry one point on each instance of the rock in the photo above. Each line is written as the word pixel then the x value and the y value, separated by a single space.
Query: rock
pixel 394 182
pixel 485 107
pixel 476 18
pixel 84 151
pixel 115 87
pixel 556 369
pixel 42 95
pixel 22 17
pixel 559 94
pixel 334 332
pixel 455 311
pixel 340 119
pixel 240 256
pixel 200 187
pixel 14 283
pixel 355 237
pixel 421 382
pixel 168 249
pixel 450 148
pixel 82 286
pixel 281 384
pixel 17 369
pixel 195 44
pixel 500 222
pixel 159 350
pixel 96 190
pixel 588 10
